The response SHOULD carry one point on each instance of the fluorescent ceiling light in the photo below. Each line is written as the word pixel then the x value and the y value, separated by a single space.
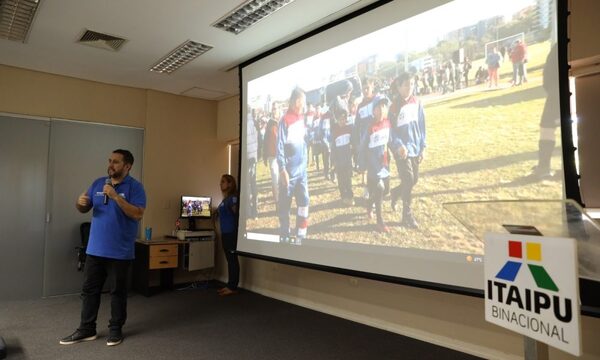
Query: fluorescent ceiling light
pixel 182 55
pixel 248 14
pixel 16 17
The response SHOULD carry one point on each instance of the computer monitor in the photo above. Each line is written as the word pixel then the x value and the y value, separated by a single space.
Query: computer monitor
pixel 195 207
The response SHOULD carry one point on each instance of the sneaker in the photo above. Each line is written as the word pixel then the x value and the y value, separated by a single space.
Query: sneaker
pixel 115 337
pixel 409 221
pixel 79 336
pixel 382 228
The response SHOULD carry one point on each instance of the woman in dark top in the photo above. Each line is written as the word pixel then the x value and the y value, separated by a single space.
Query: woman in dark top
pixel 228 221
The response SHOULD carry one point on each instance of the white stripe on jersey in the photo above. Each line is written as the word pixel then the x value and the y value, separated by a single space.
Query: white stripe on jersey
pixel 379 137
pixel 408 113
pixel 342 140
pixel 309 120
pixel 303 211
pixel 296 132
pixel 366 111
pixel 325 124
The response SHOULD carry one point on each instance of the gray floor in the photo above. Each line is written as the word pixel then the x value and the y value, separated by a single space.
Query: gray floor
pixel 198 324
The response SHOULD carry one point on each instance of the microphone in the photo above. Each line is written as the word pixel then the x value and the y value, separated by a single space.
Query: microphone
pixel 107 182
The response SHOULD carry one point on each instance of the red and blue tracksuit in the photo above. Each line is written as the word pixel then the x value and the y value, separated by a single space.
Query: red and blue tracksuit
pixel 408 130
pixel 376 140
pixel 292 156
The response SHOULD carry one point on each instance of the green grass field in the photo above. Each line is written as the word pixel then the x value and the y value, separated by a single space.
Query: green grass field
pixel 482 144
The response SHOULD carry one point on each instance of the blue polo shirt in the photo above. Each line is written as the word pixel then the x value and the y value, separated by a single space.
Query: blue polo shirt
pixel 228 217
pixel 113 233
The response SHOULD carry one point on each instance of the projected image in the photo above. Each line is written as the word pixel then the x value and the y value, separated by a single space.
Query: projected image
pixel 364 143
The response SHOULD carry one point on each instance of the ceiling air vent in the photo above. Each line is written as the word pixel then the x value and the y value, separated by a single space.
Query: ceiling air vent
pixel 16 17
pixel 102 41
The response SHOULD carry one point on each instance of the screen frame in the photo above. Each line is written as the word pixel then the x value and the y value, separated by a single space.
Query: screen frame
pixel 571 178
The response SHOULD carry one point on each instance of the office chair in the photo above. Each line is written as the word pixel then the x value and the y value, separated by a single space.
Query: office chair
pixel 84 231
pixel 2 348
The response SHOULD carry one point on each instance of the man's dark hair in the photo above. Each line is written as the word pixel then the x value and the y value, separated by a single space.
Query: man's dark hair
pixel 401 79
pixel 127 156
pixel 296 93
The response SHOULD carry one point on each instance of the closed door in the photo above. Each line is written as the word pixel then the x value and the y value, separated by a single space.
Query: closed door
pixel 23 169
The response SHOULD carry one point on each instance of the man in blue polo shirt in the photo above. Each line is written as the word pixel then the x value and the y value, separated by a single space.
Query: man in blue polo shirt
pixel 118 202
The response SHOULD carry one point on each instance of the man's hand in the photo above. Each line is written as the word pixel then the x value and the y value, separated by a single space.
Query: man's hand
pixel 83 203
pixel 110 191
pixel 83 200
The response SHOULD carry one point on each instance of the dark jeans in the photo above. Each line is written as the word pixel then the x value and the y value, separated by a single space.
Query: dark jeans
pixel 97 270
pixel 377 188
pixel 408 171
pixel 344 177
pixel 233 265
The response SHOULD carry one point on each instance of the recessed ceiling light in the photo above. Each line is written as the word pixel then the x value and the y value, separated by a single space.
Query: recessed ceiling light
pixel 248 14
pixel 16 17
pixel 182 55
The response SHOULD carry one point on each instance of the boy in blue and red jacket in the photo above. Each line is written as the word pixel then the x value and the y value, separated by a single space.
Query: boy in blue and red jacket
pixel 375 153
pixel 407 143
pixel 292 161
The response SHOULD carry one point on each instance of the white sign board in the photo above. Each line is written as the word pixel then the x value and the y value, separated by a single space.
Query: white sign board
pixel 532 288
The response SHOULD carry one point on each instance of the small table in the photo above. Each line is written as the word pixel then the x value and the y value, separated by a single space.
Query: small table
pixel 155 255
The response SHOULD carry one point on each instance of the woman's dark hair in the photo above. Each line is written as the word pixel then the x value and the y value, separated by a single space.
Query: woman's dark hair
pixel 230 179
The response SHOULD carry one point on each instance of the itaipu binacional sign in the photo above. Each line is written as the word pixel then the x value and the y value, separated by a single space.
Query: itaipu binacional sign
pixel 531 287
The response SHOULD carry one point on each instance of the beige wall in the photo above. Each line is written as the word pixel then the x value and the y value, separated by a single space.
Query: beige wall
pixel 584 49
pixel 228 110
pixel 41 94
pixel 181 155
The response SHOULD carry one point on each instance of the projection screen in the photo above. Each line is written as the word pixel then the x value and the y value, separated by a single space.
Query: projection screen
pixel 354 138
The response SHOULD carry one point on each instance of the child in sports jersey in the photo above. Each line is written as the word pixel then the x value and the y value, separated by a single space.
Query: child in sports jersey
pixel 376 153
pixel 291 159
pixel 407 144
pixel 341 151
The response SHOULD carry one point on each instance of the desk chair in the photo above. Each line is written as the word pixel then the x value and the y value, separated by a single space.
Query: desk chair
pixel 2 348
pixel 84 231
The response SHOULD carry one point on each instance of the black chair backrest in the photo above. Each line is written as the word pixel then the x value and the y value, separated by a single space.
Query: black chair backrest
pixel 84 230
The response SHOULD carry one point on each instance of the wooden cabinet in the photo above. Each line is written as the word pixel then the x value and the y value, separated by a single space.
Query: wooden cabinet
pixel 155 256
pixel 162 256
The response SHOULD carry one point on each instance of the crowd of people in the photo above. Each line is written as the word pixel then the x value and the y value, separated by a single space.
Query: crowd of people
pixel 350 137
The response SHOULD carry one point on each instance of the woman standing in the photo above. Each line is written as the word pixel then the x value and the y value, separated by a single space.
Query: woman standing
pixel 228 221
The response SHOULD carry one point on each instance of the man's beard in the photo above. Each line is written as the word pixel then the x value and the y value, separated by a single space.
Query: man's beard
pixel 115 174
